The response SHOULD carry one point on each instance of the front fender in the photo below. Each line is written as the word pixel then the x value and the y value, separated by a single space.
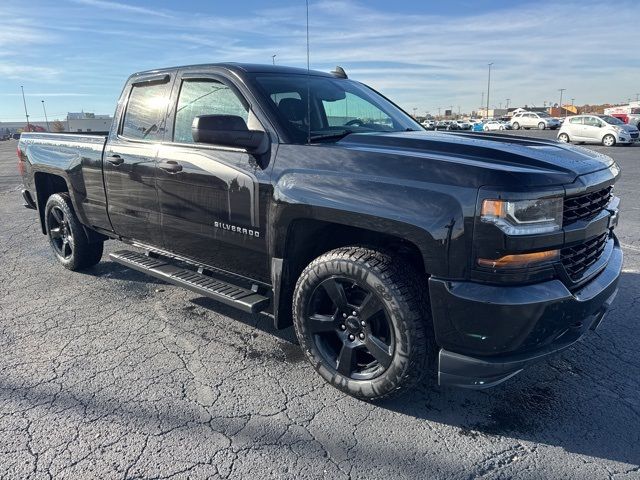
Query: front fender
pixel 433 217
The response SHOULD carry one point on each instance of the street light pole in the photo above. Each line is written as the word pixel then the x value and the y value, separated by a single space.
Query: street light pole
pixel 560 105
pixel 488 88
pixel 45 116
pixel 508 100
pixel 25 109
pixel 273 59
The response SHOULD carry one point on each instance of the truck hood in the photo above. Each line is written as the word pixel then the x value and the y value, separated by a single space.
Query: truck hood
pixel 549 162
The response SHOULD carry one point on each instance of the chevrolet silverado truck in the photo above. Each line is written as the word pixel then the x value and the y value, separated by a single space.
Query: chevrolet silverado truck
pixel 315 200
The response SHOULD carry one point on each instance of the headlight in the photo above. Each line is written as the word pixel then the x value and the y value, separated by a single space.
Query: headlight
pixel 524 217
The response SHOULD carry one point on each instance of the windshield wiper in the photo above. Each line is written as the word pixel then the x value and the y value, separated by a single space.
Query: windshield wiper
pixel 332 136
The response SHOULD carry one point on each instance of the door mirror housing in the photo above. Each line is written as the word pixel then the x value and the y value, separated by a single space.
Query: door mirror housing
pixel 229 131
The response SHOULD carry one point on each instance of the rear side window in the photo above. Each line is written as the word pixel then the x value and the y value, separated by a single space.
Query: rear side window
pixel 146 109
pixel 576 120
pixel 204 97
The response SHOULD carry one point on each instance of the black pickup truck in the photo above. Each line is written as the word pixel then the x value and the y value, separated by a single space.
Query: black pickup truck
pixel 314 199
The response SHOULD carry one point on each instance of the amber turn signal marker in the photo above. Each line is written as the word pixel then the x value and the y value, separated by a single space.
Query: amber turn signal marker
pixel 493 208
pixel 521 260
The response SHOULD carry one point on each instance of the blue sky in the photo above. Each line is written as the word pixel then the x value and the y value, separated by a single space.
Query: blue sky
pixel 76 54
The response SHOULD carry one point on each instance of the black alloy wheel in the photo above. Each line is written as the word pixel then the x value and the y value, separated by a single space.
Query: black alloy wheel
pixel 67 237
pixel 350 328
pixel 362 319
pixel 60 233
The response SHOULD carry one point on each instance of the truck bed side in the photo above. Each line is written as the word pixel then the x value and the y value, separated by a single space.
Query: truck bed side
pixel 55 162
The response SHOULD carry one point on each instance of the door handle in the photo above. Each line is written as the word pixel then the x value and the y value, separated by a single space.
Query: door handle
pixel 170 166
pixel 115 160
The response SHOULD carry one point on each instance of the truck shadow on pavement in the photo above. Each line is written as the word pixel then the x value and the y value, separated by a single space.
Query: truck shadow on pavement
pixel 584 400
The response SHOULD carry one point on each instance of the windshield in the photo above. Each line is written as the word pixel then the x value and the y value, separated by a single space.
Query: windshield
pixel 611 120
pixel 338 107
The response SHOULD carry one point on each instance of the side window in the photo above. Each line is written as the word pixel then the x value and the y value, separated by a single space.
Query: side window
pixel 146 109
pixel 576 120
pixel 592 121
pixel 353 109
pixel 204 97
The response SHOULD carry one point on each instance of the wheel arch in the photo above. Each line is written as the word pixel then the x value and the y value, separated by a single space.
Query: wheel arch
pixel 46 184
pixel 305 238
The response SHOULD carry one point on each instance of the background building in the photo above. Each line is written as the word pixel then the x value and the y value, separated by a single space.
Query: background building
pixel 75 122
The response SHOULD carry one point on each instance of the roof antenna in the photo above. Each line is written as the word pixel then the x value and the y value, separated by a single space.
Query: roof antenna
pixel 308 81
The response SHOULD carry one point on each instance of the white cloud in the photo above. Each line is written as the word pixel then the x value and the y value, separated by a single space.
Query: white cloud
pixel 123 7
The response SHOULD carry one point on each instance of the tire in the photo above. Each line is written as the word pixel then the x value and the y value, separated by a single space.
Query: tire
pixel 564 138
pixel 516 126
pixel 541 126
pixel 501 127
pixel 485 128
pixel 67 238
pixel 608 141
pixel 353 301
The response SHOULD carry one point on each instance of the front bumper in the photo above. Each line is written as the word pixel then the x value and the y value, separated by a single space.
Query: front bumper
pixel 488 333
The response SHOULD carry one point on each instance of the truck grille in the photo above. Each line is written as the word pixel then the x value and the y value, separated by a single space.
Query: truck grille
pixel 579 258
pixel 585 206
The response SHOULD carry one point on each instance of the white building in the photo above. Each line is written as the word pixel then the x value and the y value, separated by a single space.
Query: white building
pixel 87 122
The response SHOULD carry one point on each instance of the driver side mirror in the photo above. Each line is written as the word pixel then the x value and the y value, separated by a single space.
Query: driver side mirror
pixel 229 131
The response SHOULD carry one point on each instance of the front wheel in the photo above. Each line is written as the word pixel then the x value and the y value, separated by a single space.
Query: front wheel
pixel 360 318
pixel 609 141
pixel 67 238
pixel 563 137
pixel 541 126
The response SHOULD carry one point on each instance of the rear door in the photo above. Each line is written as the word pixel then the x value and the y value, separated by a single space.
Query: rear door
pixel 574 128
pixel 212 198
pixel 130 159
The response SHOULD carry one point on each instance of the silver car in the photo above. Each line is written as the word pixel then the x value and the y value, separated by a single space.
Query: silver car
pixel 539 120
pixel 602 129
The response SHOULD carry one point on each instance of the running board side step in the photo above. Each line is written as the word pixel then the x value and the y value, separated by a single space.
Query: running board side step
pixel 224 292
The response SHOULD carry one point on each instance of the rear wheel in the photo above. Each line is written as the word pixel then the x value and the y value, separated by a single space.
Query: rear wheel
pixel 67 238
pixel 516 126
pixel 563 137
pixel 541 126
pixel 609 141
pixel 361 320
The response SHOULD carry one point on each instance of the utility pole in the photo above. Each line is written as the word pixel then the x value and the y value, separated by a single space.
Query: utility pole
pixel 637 96
pixel 273 59
pixel 439 112
pixel 414 112
pixel 561 90
pixel 482 102
pixel 488 88
pixel 25 109
pixel 45 116
pixel 508 100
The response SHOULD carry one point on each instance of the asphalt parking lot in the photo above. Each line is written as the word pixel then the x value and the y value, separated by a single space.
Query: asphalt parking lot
pixel 111 374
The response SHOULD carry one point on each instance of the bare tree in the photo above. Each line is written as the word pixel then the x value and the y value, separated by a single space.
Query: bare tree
pixel 57 126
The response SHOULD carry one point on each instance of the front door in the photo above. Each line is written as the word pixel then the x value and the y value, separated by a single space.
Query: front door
pixel 209 196
pixel 592 129
pixel 130 163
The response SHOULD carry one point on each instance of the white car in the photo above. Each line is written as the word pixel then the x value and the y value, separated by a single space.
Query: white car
pixel 539 120
pixel 493 125
pixel 602 129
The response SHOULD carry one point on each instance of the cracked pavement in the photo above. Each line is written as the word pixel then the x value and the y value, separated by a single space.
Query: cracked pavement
pixel 111 374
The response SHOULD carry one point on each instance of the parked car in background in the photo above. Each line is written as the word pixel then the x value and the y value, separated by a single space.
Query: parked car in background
pixel 446 125
pixel 463 124
pixel 603 129
pixel 16 136
pixel 493 125
pixel 429 124
pixel 539 120
pixel 478 127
